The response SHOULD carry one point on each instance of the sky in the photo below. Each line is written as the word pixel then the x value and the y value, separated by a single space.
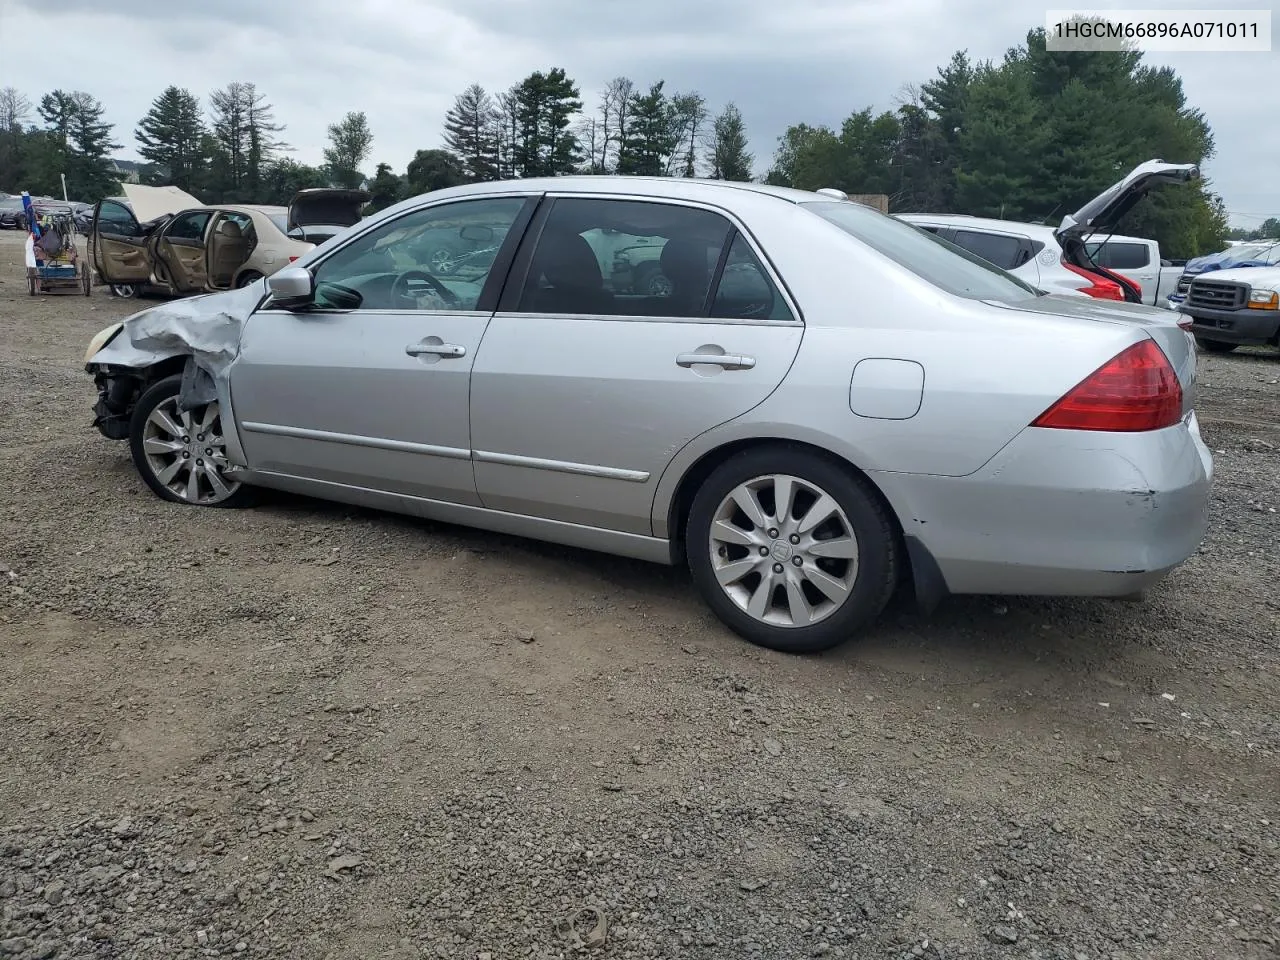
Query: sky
pixel 404 61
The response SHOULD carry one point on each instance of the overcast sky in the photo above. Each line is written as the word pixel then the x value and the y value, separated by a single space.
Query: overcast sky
pixel 403 61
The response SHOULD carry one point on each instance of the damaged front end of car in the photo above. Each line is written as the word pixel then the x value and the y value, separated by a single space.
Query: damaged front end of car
pixel 198 337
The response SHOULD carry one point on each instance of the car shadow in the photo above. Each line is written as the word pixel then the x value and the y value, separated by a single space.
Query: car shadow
pixel 963 640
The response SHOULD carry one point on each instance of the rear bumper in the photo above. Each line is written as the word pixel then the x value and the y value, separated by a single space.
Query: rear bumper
pixel 1234 326
pixel 1063 513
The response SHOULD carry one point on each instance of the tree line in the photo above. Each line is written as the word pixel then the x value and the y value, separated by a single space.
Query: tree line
pixel 1029 137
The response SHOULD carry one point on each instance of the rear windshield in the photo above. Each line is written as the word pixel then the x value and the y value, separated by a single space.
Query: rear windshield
pixel 281 220
pixel 929 257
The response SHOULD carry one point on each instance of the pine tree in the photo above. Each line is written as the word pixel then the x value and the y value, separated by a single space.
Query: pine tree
pixel 650 138
pixel 543 106
pixel 171 135
pixel 350 140
pixel 729 157
pixel 470 134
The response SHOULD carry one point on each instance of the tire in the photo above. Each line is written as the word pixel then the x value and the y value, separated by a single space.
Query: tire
pixel 861 569
pixel 650 281
pixel 125 291
pixel 1216 346
pixel 246 278
pixel 148 439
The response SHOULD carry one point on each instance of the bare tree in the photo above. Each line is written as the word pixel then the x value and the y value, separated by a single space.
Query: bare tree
pixel 15 109
pixel 615 112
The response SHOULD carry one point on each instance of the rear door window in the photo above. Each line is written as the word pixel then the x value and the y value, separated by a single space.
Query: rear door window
pixel 1004 251
pixel 614 257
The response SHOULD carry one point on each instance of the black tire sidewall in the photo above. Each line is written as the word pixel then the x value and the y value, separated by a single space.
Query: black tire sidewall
pixel 151 398
pixel 873 526
pixel 251 276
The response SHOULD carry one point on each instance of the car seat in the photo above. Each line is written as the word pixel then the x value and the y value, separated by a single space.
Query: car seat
pixel 230 251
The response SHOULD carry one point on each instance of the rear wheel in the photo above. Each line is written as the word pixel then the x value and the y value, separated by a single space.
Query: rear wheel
pixel 791 550
pixel 181 455
pixel 125 291
pixel 248 277
pixel 1216 346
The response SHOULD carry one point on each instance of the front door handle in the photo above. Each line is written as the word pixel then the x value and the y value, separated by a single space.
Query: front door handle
pixel 436 349
pixel 729 361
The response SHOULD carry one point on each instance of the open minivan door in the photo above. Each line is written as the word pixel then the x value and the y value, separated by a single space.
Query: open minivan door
pixel 317 214
pixel 1101 215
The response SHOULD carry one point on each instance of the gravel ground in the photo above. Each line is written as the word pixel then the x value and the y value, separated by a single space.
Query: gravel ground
pixel 318 732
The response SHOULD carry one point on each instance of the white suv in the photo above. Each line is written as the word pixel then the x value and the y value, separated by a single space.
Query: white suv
pixel 1059 260
pixel 1029 251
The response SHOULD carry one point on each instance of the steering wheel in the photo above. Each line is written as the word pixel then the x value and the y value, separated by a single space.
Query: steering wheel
pixel 400 288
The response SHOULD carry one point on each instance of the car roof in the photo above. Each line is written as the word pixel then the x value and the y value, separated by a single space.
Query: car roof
pixel 690 187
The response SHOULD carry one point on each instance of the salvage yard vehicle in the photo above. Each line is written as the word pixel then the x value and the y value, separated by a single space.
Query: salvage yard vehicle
pixel 165 241
pixel 823 403
pixel 1262 253
pixel 1234 307
pixel 1079 257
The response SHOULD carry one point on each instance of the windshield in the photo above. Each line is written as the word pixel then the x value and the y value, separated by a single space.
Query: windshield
pixel 926 255
pixel 1255 251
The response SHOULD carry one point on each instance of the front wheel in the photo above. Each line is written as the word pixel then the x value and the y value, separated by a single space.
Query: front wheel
pixel 791 551
pixel 181 455
pixel 1216 346
pixel 125 291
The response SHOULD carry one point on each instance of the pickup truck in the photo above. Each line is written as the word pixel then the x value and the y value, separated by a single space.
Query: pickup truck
pixel 1262 253
pixel 1231 308
pixel 1139 260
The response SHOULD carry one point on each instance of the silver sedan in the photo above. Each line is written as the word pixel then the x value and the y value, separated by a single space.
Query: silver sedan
pixel 818 404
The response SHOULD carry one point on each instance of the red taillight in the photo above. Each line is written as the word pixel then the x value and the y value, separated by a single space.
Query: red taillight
pixel 291 259
pixel 1185 323
pixel 1138 389
pixel 1100 287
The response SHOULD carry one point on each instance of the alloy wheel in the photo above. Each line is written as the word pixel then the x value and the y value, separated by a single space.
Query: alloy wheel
pixel 186 453
pixel 783 550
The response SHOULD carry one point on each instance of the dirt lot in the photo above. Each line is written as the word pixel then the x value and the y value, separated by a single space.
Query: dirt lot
pixel 310 731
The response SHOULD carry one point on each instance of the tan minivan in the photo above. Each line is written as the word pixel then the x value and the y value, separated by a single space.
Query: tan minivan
pixel 165 241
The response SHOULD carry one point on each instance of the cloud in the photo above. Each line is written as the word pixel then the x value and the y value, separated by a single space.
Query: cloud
pixel 403 61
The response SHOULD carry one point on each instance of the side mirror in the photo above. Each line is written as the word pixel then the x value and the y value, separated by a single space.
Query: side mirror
pixel 292 286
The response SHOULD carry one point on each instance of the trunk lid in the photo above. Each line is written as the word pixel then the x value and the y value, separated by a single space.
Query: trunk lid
pixel 316 215
pixel 1103 212
pixel 1161 325
pixel 152 203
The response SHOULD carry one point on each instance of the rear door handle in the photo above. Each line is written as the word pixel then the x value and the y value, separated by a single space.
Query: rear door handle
pixel 729 361
pixel 436 349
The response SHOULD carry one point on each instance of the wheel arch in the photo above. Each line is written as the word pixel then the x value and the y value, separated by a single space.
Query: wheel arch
pixel 919 566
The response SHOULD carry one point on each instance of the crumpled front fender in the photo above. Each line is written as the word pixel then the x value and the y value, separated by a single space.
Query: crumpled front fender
pixel 206 330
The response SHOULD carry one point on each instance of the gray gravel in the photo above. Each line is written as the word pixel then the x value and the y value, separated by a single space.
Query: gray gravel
pixel 316 732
